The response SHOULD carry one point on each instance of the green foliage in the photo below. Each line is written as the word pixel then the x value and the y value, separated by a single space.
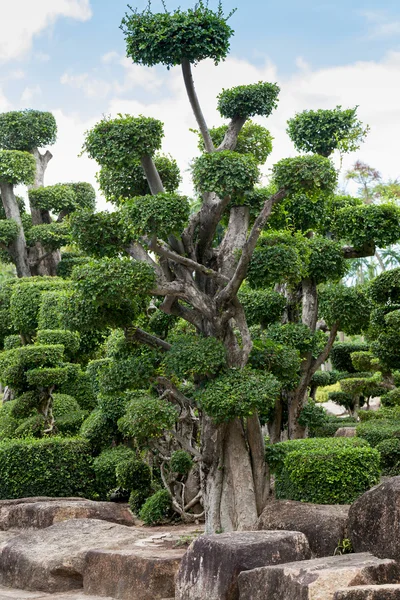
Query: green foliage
pixel 8 423
pixel 51 235
pixel 320 379
pixel 312 415
pixel 159 215
pixel 238 393
pixel 12 341
pixel 300 213
pixel 390 457
pixel 17 167
pixel 281 360
pixel 249 100
pixel 8 231
pixel 262 306
pixel 309 175
pixel 192 356
pixel 157 509
pixel 46 377
pixel 134 474
pixel 366 224
pixel 279 257
pixel 276 453
pixel 98 431
pixel 168 38
pixel 181 462
pixel 349 306
pixel 392 398
pixel 146 417
pixel 59 197
pixel 27 129
pixel 331 426
pixel 377 431
pixel 105 468
pixel 342 399
pixel 116 143
pixel 99 234
pixel 341 355
pixel 53 467
pixel 85 195
pixel 385 289
pixel 225 173
pixel 362 360
pixel 253 139
pixel 130 181
pixel 299 336
pixel 130 372
pixel 323 131
pixel 69 339
pixel 68 261
pixel 136 500
pixel 328 475
pixel 326 262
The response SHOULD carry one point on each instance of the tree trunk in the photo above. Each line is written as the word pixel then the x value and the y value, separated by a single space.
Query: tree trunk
pixel 275 427
pixel 297 399
pixel 18 246
pixel 48 265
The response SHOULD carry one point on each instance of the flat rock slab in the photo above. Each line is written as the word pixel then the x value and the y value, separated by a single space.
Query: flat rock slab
pixel 10 594
pixel 369 592
pixel 130 575
pixel 210 568
pixel 345 432
pixel 52 559
pixel 374 520
pixel 40 514
pixel 316 579
pixel 323 525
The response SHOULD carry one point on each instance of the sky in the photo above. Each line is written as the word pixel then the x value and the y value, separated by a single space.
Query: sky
pixel 68 57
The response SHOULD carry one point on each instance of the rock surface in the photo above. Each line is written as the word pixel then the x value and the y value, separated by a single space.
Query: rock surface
pixel 374 520
pixel 316 579
pixel 129 575
pixel 210 567
pixel 346 432
pixel 52 559
pixel 323 525
pixel 367 592
pixel 41 513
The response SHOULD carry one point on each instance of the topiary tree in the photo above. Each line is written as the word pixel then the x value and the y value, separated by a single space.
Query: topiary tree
pixel 212 380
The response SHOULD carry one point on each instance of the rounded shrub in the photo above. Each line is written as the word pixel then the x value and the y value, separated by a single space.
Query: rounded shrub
pixel 375 431
pixel 390 456
pixel 159 215
pixel 328 471
pixel 310 175
pixel 157 509
pixel 181 462
pixel 134 474
pixel 258 99
pixel 392 398
pixel 27 129
pixel 225 173
pixel 168 38
pixel 17 167
pixel 105 468
pixel 146 417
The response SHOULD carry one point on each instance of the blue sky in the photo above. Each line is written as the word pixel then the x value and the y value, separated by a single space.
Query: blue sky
pixel 68 56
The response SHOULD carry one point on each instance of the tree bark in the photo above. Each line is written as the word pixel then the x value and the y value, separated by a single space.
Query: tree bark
pixel 39 264
pixel 17 248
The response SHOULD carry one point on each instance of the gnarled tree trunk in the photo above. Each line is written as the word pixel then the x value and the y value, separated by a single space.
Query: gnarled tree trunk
pixel 18 247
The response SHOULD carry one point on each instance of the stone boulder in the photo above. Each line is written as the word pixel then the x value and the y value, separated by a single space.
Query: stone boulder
pixel 52 559
pixel 316 579
pixel 210 568
pixel 369 592
pixel 374 520
pixel 346 432
pixel 41 513
pixel 323 525
pixel 133 574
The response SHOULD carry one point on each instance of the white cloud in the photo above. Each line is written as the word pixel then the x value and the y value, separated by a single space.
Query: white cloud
pixel 29 93
pixel 91 87
pixel 42 57
pixel 381 25
pixel 22 20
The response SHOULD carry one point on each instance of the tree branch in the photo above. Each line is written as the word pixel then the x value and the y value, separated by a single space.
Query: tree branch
pixel 325 353
pixel 162 250
pixel 137 334
pixel 241 270
pixel 152 175
pixel 366 250
pixel 194 102
pixel 230 140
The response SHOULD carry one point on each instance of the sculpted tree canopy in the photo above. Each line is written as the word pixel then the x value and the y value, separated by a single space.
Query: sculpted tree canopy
pixel 204 316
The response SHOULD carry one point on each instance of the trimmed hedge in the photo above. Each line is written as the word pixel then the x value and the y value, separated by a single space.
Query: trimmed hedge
pixel 390 456
pixel 328 473
pixel 53 467
pixel 375 431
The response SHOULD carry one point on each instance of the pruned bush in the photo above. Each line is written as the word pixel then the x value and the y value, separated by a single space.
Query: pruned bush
pixel 105 466
pixel 390 456
pixel 377 431
pixel 45 467
pixel 157 509
pixel 334 473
